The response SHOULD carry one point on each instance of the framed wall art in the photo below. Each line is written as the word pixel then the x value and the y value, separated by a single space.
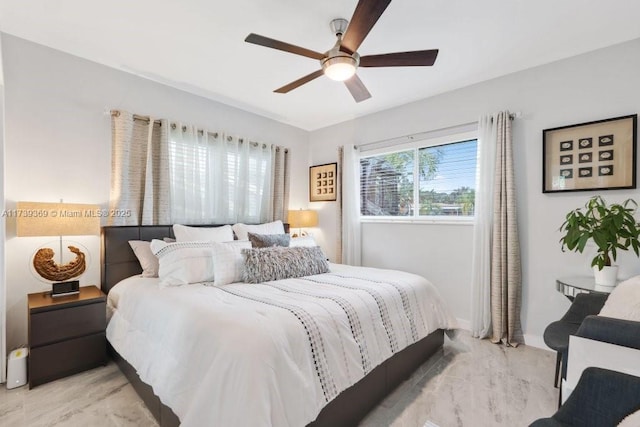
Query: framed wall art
pixel 323 183
pixel 598 155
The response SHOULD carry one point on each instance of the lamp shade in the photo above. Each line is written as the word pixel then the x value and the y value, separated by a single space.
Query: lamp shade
pixel 302 218
pixel 57 219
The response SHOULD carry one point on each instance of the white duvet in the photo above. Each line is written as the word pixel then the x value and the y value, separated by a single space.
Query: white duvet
pixel 271 354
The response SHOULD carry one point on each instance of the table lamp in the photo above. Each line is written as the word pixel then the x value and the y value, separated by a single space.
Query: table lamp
pixel 302 219
pixel 57 219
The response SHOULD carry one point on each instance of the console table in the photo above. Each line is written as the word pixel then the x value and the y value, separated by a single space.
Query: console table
pixel 573 285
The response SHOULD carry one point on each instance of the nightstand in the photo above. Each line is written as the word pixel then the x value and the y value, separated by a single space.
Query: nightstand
pixel 66 334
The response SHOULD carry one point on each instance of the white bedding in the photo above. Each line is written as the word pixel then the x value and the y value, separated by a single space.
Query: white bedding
pixel 269 354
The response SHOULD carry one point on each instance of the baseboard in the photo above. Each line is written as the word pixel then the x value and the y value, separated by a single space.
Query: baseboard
pixel 529 339
pixel 535 341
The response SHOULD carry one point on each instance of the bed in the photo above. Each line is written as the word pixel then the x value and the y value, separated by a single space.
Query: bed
pixel 295 369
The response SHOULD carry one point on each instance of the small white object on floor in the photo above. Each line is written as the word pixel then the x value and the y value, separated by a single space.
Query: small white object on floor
pixel 430 424
pixel 17 368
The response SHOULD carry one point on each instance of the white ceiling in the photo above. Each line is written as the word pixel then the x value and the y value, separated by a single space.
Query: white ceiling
pixel 198 45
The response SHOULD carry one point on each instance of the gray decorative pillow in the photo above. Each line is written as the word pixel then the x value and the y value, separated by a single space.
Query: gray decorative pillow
pixel 268 240
pixel 275 263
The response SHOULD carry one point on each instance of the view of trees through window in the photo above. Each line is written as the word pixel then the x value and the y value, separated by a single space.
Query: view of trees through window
pixel 428 181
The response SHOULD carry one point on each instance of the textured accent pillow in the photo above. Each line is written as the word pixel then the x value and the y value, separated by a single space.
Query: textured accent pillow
pixel 147 259
pixel 242 230
pixel 275 263
pixel 185 233
pixel 304 241
pixel 268 240
pixel 183 263
pixel 624 301
pixel 228 263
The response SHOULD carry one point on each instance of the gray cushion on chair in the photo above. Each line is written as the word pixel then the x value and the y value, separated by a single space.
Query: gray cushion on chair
pixel 584 305
pixel 556 335
pixel 613 331
pixel 601 398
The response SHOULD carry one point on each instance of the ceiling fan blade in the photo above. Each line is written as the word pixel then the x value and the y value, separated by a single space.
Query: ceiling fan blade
pixel 286 47
pixel 357 88
pixel 364 18
pixel 306 79
pixel 400 59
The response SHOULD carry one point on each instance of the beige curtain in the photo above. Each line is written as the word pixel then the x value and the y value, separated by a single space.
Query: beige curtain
pixel 139 170
pixel 279 183
pixel 506 279
pixel 339 205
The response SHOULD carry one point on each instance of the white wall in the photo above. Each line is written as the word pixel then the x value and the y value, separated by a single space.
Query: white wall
pixel 597 85
pixel 58 145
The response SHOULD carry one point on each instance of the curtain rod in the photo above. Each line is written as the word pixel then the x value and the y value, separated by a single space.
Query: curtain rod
pixel 419 135
pixel 116 113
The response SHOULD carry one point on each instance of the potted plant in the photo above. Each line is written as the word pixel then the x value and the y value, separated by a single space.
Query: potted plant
pixel 612 228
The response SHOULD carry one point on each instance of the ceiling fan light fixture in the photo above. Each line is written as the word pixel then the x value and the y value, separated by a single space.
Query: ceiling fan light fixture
pixel 342 60
pixel 339 68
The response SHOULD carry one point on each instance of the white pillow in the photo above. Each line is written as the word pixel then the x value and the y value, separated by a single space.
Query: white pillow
pixel 304 241
pixel 624 301
pixel 242 230
pixel 228 263
pixel 147 259
pixel 631 420
pixel 184 233
pixel 183 263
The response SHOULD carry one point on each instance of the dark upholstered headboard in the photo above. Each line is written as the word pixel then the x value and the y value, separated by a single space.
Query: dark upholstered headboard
pixel 117 258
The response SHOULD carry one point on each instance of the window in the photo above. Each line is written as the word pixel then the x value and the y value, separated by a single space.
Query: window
pixel 425 181
pixel 167 172
pixel 215 178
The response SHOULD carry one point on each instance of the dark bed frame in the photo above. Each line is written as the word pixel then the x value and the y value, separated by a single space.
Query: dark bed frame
pixel 351 406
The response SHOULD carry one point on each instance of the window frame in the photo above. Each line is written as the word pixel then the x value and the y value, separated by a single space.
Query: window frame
pixel 416 145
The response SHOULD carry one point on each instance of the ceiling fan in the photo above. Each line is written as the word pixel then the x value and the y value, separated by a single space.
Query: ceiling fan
pixel 341 61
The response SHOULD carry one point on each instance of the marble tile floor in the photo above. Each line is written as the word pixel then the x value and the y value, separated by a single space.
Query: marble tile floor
pixel 468 383
pixel 99 397
pixel 473 383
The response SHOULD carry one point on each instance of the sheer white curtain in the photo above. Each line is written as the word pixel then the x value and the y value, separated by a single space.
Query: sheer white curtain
pixel 481 263
pixel 191 161
pixel 248 180
pixel 218 177
pixel 351 233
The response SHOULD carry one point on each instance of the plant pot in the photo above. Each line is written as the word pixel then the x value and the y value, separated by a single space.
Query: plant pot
pixel 608 276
